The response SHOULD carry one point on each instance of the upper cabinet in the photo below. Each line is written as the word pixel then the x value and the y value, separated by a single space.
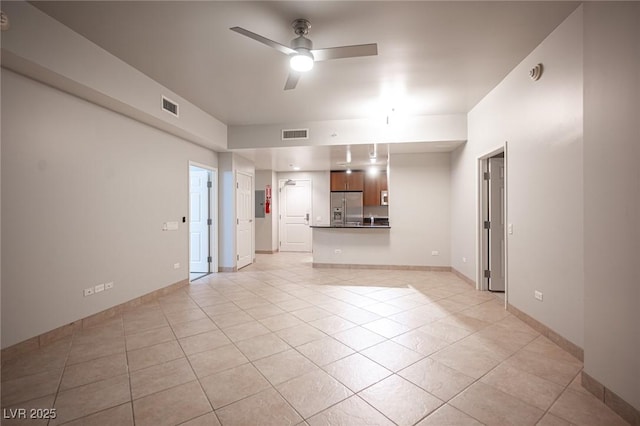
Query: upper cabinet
pixel 343 181
pixel 374 185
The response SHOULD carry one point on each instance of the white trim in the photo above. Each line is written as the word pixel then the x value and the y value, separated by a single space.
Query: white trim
pixel 253 219
pixel 281 183
pixel 213 208
pixel 506 227
pixel 480 204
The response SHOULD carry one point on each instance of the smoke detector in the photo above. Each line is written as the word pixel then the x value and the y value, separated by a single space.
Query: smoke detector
pixel 535 72
pixel 4 21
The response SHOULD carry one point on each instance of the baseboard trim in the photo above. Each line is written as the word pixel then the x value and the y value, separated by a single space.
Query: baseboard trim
pixel 565 344
pixel 266 251
pixel 66 330
pixel 611 399
pixel 390 267
pixel 463 277
pixel 227 269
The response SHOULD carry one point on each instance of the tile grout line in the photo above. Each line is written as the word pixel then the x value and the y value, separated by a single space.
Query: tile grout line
pixel 514 396
pixel 274 386
pixel 95 381
pixel 64 368
pixel 190 366
pixel 259 372
pixel 305 287
pixel 126 355
pixel 566 388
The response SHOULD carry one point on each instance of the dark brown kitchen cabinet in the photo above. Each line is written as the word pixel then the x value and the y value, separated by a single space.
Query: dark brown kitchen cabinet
pixel 343 181
pixel 373 187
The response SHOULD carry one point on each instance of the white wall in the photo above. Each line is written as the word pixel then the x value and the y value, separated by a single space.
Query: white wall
pixel 85 192
pixel 427 128
pixel 229 165
pixel 612 196
pixel 226 212
pixel 419 214
pixel 42 48
pixel 542 122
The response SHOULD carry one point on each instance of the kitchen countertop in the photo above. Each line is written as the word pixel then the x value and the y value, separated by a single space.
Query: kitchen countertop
pixel 367 226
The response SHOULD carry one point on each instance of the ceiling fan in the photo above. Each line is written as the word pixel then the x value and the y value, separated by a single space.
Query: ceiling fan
pixel 302 54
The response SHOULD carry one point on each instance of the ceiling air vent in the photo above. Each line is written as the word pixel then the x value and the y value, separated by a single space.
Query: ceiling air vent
pixel 292 134
pixel 169 106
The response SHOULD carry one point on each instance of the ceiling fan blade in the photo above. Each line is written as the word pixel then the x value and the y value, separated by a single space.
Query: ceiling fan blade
pixel 345 52
pixel 292 80
pixel 257 37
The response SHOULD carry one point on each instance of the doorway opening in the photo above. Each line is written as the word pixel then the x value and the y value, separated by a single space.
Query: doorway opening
pixel 203 258
pixel 493 222
pixel 295 215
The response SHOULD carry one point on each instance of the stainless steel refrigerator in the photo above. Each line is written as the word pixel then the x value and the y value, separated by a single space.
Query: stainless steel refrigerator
pixel 346 208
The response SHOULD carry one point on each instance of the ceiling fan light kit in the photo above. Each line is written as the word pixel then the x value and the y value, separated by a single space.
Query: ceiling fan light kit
pixel 302 55
pixel 302 61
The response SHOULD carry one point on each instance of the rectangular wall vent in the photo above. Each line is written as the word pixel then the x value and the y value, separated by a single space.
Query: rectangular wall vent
pixel 169 106
pixel 291 134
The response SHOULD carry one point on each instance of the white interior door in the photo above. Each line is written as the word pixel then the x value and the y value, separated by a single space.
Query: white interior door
pixel 295 211
pixel 497 224
pixel 198 220
pixel 244 212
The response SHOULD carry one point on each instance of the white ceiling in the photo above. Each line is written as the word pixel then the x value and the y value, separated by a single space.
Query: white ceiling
pixel 433 57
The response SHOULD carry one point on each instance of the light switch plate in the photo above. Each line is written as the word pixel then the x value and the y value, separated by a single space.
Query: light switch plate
pixel 171 226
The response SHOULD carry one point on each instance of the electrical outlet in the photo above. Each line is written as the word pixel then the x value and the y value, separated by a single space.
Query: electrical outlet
pixel 538 295
pixel 435 253
pixel 99 288
pixel 337 251
pixel 464 260
pixel 88 291
pixel 108 286
pixel 176 266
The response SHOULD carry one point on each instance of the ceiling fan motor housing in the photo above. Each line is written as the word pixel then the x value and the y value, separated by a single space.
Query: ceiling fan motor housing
pixel 301 26
pixel 301 43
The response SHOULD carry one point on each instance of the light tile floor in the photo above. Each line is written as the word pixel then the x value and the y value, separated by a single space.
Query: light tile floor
pixel 281 343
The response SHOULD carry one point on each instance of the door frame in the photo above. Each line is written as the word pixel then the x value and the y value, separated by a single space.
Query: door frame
pixel 482 203
pixel 213 212
pixel 281 184
pixel 252 220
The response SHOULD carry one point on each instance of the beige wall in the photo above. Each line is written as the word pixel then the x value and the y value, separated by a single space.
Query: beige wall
pixel 542 124
pixel 612 196
pixel 85 193
pixel 266 227
pixel 419 212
